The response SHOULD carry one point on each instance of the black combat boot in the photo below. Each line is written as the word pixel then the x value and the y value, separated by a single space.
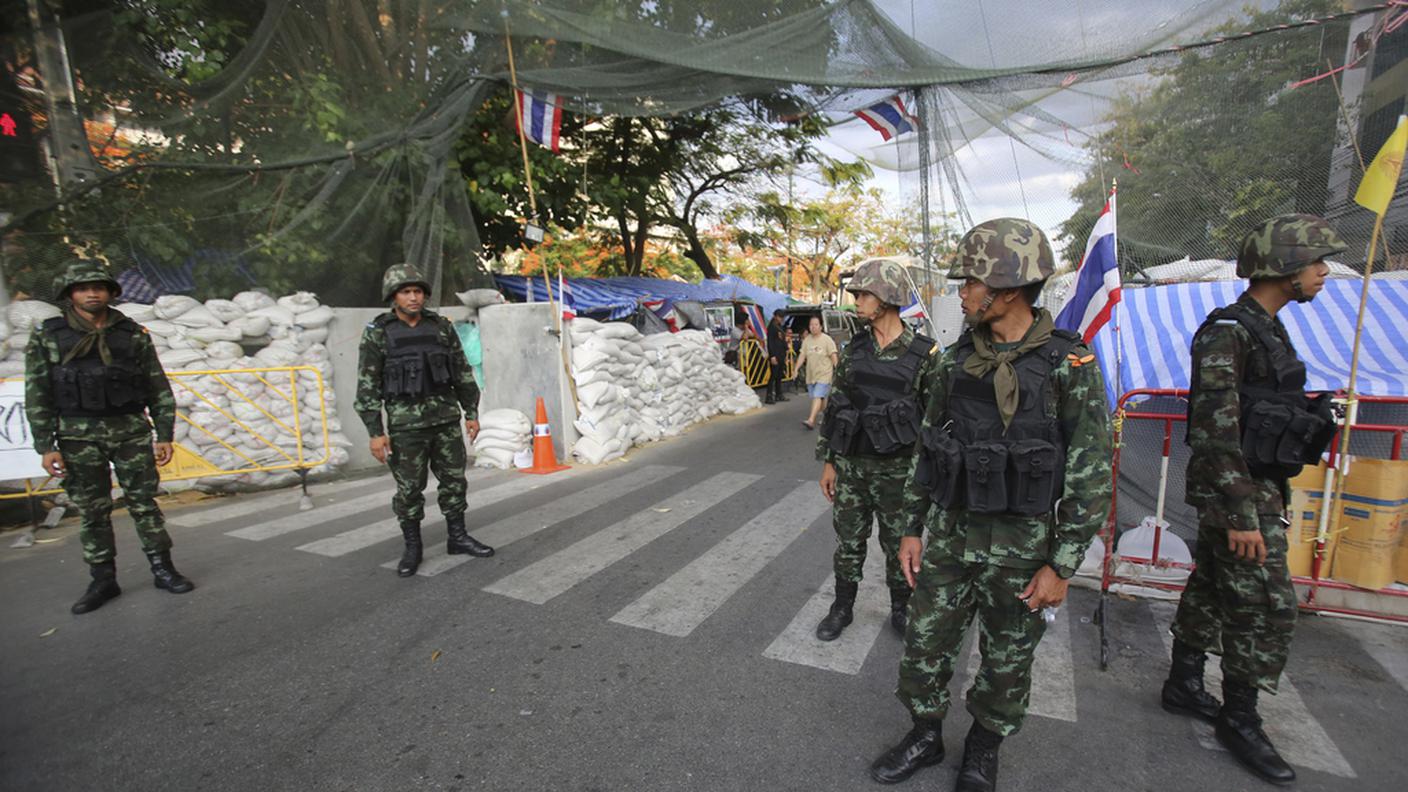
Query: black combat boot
pixel 410 557
pixel 830 627
pixel 103 588
pixel 460 542
pixel 978 773
pixel 1184 693
pixel 899 609
pixel 1239 730
pixel 165 576
pixel 922 747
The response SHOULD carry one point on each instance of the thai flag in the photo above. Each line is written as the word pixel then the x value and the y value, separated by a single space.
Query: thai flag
pixel 915 309
pixel 755 320
pixel 889 118
pixel 564 296
pixel 540 118
pixel 1097 287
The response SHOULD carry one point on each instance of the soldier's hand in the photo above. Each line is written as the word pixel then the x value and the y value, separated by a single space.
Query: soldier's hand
pixel 1046 589
pixel 163 453
pixel 1247 546
pixel 381 448
pixel 472 427
pixel 53 463
pixel 911 553
pixel 828 481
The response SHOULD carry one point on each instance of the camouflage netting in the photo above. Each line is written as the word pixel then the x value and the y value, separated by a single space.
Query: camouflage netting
pixel 310 144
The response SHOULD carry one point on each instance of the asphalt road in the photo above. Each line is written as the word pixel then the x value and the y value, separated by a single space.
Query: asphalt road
pixel 645 626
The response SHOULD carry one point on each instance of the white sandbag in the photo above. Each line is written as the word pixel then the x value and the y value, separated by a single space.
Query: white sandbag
pixel 223 351
pixel 592 452
pixel 11 368
pixel 597 393
pixel 179 358
pixel 276 314
pixel 316 317
pixel 137 312
pixel 507 435
pixel 586 359
pixel 494 458
pixel 161 327
pixel 199 316
pixel 253 300
pixel 180 341
pixel 210 335
pixel 298 302
pixel 274 356
pixel 252 326
pixel 506 418
pixel 170 306
pixel 25 315
pixel 225 310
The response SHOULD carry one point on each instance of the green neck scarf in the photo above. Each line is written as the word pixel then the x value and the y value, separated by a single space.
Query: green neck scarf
pixel 986 358
pixel 92 335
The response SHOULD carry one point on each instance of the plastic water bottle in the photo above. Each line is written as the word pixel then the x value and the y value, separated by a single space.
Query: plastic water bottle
pixel 1048 614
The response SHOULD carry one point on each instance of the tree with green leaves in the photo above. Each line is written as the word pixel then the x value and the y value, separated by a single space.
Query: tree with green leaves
pixel 1220 141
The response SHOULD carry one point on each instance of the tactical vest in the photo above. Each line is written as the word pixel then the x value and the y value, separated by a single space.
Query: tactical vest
pixel 877 415
pixel 1282 428
pixel 417 361
pixel 972 463
pixel 86 388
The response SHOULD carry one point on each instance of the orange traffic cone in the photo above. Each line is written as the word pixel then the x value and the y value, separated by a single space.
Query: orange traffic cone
pixel 544 458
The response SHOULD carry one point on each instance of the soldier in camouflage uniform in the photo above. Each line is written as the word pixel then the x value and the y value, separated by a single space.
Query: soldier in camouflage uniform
pixel 867 437
pixel 91 379
pixel 1250 426
pixel 1012 479
pixel 410 365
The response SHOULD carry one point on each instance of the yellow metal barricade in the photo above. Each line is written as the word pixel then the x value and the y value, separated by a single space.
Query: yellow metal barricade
pixel 217 392
pixel 753 362
pixel 793 359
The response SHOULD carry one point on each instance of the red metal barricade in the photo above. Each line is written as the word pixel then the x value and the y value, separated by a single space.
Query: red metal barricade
pixel 1312 584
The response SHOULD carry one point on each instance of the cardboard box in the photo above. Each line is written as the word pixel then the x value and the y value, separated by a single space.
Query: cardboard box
pixel 1374 516
pixel 1307 500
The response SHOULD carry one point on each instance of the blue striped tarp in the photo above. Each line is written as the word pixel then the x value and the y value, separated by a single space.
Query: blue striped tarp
pixel 616 298
pixel 1158 322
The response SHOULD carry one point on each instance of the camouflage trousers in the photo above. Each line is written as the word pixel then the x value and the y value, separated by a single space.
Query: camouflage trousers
pixel 1244 611
pixel 417 452
pixel 947 597
pixel 89 486
pixel 869 490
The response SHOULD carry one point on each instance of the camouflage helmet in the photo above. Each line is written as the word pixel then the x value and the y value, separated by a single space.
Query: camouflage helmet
pixel 84 271
pixel 1004 254
pixel 884 278
pixel 1286 244
pixel 399 276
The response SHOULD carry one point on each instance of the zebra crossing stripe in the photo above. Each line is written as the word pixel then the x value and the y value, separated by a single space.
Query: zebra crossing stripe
pixel 527 523
pixel 1386 644
pixel 362 537
pixel 1297 735
pixel 559 572
pixel 798 642
pixel 244 505
pixel 300 520
pixel 691 595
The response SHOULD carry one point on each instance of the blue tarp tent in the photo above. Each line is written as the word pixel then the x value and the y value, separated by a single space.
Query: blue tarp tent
pixel 1158 322
pixel 616 298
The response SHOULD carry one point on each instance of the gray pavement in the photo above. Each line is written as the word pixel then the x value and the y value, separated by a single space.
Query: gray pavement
pixel 645 626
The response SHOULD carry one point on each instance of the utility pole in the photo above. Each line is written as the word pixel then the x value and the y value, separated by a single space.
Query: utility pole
pixel 68 140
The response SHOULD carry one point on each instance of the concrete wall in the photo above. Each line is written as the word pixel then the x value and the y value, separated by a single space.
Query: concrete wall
pixel 522 360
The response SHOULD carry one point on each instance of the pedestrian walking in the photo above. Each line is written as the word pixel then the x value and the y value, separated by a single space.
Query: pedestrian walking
pixel 1012 480
pixel 1251 426
pixel 411 366
pixel 94 394
pixel 777 359
pixel 818 359
pixel 867 438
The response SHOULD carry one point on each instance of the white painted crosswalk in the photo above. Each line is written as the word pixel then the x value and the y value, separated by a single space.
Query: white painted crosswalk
pixel 799 644
pixel 681 603
pixel 245 505
pixel 298 521
pixel 1287 721
pixel 554 575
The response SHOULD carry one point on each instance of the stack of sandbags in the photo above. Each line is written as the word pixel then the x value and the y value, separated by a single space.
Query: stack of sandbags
pixel 20 319
pixel 502 434
pixel 634 389
pixel 229 414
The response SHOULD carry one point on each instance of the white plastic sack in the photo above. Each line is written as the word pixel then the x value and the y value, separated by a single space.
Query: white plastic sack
pixel 276 314
pixel 160 327
pixel 298 302
pixel 137 312
pixel 25 315
pixel 252 326
pixel 253 300
pixel 223 351
pixel 179 358
pixel 199 316
pixel 210 335
pixel 170 306
pixel 506 418
pixel 225 310
pixel 316 317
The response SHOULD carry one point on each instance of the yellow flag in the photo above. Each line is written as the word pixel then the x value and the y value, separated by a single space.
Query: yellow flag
pixel 1381 177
